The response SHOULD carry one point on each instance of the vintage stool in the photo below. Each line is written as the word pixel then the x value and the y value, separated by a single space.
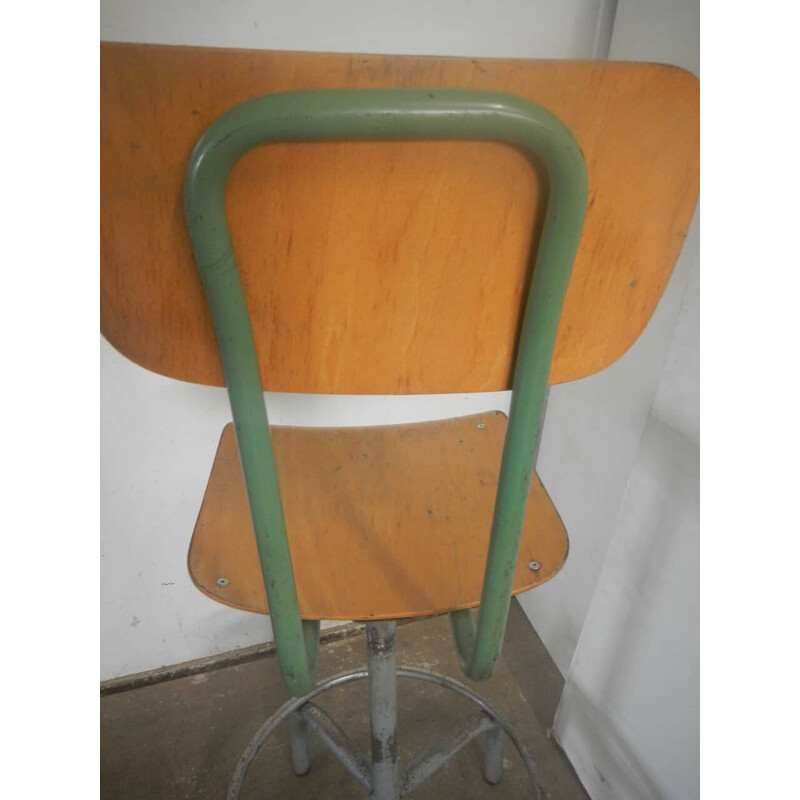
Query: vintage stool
pixel 384 523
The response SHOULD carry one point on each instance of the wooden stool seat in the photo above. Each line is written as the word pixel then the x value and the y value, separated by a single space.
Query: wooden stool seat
pixel 383 522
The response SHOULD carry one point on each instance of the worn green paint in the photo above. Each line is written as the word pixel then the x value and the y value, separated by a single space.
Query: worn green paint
pixel 320 115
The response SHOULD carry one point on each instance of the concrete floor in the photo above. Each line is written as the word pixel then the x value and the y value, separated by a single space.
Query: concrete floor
pixel 182 738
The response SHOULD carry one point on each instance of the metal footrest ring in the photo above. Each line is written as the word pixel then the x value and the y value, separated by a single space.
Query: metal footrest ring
pixel 296 703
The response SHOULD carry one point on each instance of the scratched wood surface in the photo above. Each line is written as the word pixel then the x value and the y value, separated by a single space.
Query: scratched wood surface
pixel 383 522
pixel 387 267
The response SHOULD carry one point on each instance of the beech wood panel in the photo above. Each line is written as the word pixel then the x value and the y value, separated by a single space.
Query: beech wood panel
pixel 383 522
pixel 379 267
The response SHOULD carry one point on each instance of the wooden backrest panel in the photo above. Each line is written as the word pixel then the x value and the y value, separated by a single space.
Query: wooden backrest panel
pixel 381 267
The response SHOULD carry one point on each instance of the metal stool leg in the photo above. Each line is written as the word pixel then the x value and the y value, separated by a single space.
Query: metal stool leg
pixel 298 743
pixel 493 756
pixel 383 709
pixel 381 779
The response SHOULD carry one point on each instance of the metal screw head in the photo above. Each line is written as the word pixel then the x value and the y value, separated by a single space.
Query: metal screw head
pixel 480 425
pixel 222 582
pixel 535 566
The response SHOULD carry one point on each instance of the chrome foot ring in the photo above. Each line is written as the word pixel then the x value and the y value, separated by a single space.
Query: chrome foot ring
pixel 288 708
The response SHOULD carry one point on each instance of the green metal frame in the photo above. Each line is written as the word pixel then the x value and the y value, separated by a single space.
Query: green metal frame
pixel 385 114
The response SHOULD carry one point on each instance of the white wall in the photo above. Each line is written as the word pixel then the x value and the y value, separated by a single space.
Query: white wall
pixel 629 716
pixel 159 436
pixel 512 28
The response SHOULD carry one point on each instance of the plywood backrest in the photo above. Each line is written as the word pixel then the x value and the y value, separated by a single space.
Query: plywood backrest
pixel 380 267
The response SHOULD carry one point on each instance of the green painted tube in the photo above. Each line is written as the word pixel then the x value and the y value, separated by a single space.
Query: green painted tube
pixel 568 188
pixel 358 114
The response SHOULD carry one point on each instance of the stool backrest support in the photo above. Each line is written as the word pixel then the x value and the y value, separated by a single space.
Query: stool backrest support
pixel 385 114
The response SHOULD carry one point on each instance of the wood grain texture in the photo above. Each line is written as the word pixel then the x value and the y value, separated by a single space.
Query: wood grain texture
pixel 387 267
pixel 383 522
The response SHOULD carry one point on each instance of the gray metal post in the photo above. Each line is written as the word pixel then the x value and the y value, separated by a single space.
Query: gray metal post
pixel 493 755
pixel 383 709
pixel 298 744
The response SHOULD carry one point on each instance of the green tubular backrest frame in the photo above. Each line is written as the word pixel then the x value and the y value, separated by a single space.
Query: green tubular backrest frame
pixel 390 114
